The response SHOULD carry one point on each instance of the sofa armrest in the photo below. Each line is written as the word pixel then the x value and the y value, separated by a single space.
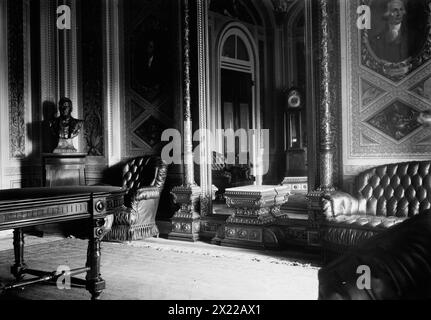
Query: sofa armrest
pixel 147 193
pixel 340 203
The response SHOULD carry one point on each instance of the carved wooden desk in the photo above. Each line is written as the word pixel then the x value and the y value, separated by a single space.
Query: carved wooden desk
pixel 256 209
pixel 95 206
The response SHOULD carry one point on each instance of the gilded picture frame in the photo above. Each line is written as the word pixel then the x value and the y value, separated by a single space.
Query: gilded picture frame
pixel 399 40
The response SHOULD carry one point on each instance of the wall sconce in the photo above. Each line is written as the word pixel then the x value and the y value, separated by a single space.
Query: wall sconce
pixel 281 7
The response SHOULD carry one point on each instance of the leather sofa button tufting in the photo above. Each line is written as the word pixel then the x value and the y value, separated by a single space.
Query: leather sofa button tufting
pixel 391 193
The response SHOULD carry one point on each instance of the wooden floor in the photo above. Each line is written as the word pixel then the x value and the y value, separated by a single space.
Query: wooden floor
pixel 159 269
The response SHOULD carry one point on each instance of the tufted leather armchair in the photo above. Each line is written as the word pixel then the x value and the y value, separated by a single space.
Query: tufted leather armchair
pixel 144 178
pixel 385 196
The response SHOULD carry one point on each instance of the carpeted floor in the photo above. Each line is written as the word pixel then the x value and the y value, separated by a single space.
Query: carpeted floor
pixel 159 269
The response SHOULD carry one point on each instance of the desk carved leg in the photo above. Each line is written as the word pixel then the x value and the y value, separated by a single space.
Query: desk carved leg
pixel 95 283
pixel 18 244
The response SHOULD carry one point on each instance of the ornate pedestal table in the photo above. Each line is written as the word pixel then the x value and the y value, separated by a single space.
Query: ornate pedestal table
pixel 256 209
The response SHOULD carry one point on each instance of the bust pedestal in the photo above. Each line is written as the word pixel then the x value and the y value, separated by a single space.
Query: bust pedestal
pixel 64 169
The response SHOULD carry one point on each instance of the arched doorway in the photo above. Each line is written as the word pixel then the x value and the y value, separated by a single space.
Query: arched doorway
pixel 238 109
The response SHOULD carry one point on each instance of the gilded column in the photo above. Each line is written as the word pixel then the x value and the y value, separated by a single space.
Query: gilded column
pixel 186 221
pixel 188 133
pixel 326 121
pixel 327 101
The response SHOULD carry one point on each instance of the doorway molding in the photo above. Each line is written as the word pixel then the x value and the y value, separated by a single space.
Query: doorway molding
pixel 243 33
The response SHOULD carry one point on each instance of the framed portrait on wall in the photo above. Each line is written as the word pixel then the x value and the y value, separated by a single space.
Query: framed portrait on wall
pixel 399 40
pixel 149 58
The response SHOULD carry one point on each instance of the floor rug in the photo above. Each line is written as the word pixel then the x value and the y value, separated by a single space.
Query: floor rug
pixel 158 269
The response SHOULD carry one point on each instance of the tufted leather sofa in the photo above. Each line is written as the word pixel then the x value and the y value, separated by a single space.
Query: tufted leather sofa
pixel 144 178
pixel 393 265
pixel 385 196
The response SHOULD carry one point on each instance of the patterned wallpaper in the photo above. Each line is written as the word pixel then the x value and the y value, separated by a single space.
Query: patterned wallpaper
pixel 385 88
pixel 17 129
pixel 92 77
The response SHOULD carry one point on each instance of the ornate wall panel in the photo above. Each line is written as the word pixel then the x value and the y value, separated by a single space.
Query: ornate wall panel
pixel 3 88
pixel 150 43
pixel 19 163
pixel 49 73
pixel 17 126
pixel 384 88
pixel 92 77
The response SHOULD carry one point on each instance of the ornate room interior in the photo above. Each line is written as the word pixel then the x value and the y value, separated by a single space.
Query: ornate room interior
pixel 330 144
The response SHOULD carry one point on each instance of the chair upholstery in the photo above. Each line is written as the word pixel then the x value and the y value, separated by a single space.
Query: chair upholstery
pixel 144 178
pixel 399 262
pixel 228 175
pixel 384 196
pixel 221 177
